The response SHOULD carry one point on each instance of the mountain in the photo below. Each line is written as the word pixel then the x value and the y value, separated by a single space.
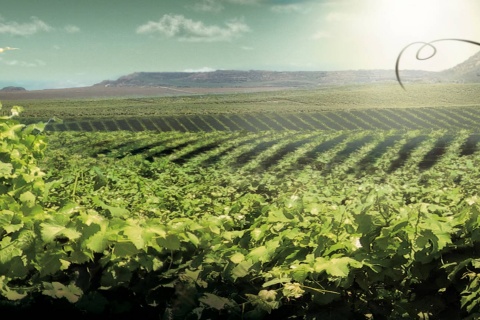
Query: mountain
pixel 13 89
pixel 467 71
pixel 259 78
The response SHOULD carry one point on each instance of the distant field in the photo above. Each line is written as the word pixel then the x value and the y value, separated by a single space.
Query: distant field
pixel 129 104
pixel 360 107
pixel 453 118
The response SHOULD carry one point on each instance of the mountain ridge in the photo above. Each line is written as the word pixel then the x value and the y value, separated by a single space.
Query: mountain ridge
pixel 260 78
pixel 467 71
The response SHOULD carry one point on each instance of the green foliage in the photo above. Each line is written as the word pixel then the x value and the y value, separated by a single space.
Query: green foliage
pixel 111 236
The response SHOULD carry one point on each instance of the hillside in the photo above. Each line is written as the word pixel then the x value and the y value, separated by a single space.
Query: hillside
pixel 467 71
pixel 259 78
pixel 231 81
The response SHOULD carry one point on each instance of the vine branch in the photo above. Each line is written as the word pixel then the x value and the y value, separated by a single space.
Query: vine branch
pixel 424 45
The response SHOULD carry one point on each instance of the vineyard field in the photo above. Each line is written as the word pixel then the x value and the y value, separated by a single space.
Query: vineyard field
pixel 256 181
pixel 276 211
pixel 283 151
pixel 366 119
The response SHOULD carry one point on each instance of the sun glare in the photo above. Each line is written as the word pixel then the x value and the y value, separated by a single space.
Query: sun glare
pixel 412 20
pixel 396 24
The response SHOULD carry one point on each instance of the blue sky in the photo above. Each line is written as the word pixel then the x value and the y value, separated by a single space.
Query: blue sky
pixel 71 43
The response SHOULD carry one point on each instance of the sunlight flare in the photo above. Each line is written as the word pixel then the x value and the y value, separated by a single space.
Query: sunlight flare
pixel 6 49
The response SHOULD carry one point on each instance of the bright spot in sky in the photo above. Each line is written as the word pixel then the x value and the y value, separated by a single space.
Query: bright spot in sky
pixel 395 24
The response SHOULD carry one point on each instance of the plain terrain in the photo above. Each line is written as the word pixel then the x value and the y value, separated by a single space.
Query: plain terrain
pixel 140 102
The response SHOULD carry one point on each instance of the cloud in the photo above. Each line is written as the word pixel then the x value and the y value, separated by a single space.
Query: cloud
pixel 71 29
pixel 195 31
pixel 321 35
pixel 288 8
pixel 339 17
pixel 277 5
pixel 204 69
pixel 18 63
pixel 208 6
pixel 245 1
pixel 246 48
pixel 286 3
pixel 24 29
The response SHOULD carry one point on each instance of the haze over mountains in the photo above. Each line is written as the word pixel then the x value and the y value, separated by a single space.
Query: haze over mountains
pixel 258 78
pixel 181 82
pixel 467 71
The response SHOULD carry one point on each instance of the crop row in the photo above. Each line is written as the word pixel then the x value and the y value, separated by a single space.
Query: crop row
pixel 341 152
pixel 367 119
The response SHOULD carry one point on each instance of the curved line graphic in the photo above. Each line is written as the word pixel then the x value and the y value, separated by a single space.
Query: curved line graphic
pixel 424 45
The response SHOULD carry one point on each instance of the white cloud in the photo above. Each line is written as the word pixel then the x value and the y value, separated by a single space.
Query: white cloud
pixel 339 17
pixel 246 48
pixel 218 5
pixel 337 3
pixel 195 31
pixel 289 8
pixel 204 69
pixel 24 29
pixel 72 29
pixel 208 6
pixel 245 1
pixel 18 63
pixel 321 35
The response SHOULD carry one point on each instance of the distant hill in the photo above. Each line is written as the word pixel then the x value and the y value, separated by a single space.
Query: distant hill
pixel 225 81
pixel 467 71
pixel 259 78
pixel 11 88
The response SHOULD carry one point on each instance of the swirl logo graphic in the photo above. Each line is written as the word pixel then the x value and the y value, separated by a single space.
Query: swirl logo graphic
pixel 419 51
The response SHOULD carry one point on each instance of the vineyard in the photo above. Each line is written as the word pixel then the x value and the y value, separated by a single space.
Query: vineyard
pixel 369 119
pixel 355 213
pixel 279 152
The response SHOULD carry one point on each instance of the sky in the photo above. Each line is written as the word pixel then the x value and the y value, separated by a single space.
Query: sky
pixel 72 43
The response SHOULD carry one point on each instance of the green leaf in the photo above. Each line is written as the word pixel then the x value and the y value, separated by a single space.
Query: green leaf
pixel 25 239
pixel 237 257
pixel 98 242
pixel 215 229
pixel 8 250
pixel 57 290
pixel 155 228
pixel 214 301
pixel 134 233
pixel 115 211
pixel 8 221
pixel 242 269
pixel 57 120
pixel 124 249
pixel 170 242
pixel 6 169
pixel 51 262
pixel 14 295
pixel 277 216
pixel 16 110
pixel 276 281
pixel 193 239
pixel 51 231
pixel 300 272
pixel 336 267
pixel 259 254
